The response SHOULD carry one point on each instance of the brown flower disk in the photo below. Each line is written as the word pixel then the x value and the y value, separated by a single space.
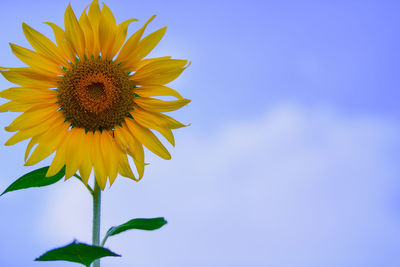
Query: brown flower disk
pixel 95 94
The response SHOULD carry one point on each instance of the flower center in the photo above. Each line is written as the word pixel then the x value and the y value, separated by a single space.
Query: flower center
pixel 96 90
pixel 95 94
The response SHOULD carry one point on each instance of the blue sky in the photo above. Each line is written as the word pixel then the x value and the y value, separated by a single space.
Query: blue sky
pixel 291 158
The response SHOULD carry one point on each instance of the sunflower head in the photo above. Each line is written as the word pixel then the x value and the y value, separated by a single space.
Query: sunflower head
pixel 90 98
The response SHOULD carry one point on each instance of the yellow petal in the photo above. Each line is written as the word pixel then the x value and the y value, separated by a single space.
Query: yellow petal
pixel 25 134
pixel 110 155
pixel 14 93
pixel 30 78
pixel 127 51
pixel 157 105
pixel 35 60
pixel 74 32
pixel 75 152
pixel 48 143
pixel 86 167
pixel 120 138
pixel 107 31
pixel 94 18
pixel 37 99
pixel 152 121
pixel 94 12
pixel 44 45
pixel 146 61
pixel 126 140
pixel 98 162
pixel 56 165
pixel 120 37
pixel 156 90
pixel 62 42
pixel 172 123
pixel 34 131
pixel 25 104
pixel 88 32
pixel 148 139
pixel 160 64
pixel 128 143
pixel 59 159
pixel 159 72
pixel 16 106
pixel 145 46
pixel 31 118
pixel 124 167
pixel 135 150
pixel 31 143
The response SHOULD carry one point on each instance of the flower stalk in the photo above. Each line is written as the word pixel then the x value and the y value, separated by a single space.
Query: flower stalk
pixel 96 219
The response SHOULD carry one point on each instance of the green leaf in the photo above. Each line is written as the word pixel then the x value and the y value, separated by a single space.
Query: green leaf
pixel 77 252
pixel 140 224
pixel 35 178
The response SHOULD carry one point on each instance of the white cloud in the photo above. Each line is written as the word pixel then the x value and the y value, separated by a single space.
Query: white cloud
pixel 295 187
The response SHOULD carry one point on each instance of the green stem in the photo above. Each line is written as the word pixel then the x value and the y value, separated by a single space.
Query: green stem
pixel 96 218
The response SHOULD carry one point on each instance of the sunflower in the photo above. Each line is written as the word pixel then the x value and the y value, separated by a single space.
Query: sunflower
pixel 89 98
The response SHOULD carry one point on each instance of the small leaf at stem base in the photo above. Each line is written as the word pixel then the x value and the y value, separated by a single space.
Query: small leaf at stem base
pixel 77 252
